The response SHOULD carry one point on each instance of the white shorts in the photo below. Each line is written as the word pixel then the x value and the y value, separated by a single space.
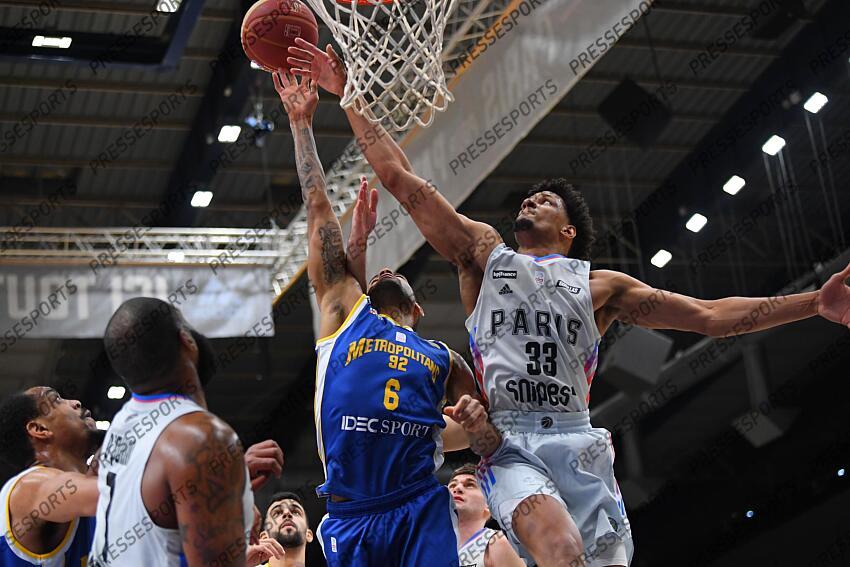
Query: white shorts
pixel 559 455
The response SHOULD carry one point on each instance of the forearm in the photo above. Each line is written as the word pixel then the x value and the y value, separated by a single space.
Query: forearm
pixel 485 441
pixel 310 172
pixel 356 259
pixel 739 315
pixel 379 148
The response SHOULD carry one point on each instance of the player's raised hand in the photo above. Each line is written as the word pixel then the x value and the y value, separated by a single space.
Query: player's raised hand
pixel 469 413
pixel 365 213
pixel 266 549
pixel 263 460
pixel 323 67
pixel 299 98
pixel 834 298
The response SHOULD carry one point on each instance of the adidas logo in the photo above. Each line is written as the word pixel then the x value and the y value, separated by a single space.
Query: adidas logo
pixel 506 289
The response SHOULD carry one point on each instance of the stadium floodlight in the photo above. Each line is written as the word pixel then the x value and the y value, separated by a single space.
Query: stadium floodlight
pixel 50 41
pixel 773 146
pixel 661 258
pixel 229 133
pixel 103 425
pixel 696 222
pixel 202 198
pixel 815 103
pixel 735 184
pixel 841 472
pixel 177 255
pixel 116 392
pixel 750 513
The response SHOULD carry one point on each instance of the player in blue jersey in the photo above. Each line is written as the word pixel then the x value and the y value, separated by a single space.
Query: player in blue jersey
pixel 379 391
pixel 49 502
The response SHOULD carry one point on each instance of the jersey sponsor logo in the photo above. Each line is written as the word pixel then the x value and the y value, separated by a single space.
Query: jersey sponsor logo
pixel 363 346
pixel 504 274
pixel 539 278
pixel 540 392
pixel 384 426
pixel 506 289
pixel 572 289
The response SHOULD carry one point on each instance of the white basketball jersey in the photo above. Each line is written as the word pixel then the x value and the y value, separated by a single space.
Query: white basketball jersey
pixel 471 553
pixel 533 336
pixel 125 533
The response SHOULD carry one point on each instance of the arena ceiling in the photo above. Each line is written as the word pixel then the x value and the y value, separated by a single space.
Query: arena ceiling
pixel 188 67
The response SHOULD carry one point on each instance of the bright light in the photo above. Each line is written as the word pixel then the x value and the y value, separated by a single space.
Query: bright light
pixel 102 425
pixel 750 513
pixel 661 258
pixel 696 222
pixel 815 103
pixel 773 146
pixel 229 133
pixel 734 185
pixel 168 6
pixel 115 392
pixel 48 41
pixel 841 472
pixel 177 255
pixel 201 199
pixel 255 66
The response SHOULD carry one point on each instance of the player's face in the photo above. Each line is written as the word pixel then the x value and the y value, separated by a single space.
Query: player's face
pixel 68 420
pixel 543 213
pixel 468 498
pixel 286 522
pixel 390 292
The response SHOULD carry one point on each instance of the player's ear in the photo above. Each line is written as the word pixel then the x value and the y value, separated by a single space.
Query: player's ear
pixel 568 231
pixel 187 342
pixel 309 536
pixel 38 431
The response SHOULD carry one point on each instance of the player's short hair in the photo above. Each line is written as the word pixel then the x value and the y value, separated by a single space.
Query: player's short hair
pixel 577 211
pixel 284 495
pixel 467 468
pixel 16 450
pixel 142 341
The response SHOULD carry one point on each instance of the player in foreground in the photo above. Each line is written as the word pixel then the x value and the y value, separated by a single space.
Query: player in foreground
pixel 478 546
pixel 49 503
pixel 379 390
pixel 174 486
pixel 536 317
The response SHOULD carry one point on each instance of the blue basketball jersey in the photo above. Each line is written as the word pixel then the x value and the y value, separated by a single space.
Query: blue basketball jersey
pixel 379 394
pixel 72 551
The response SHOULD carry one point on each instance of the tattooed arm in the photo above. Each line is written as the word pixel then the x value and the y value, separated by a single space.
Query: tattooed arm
pixel 206 478
pixel 337 290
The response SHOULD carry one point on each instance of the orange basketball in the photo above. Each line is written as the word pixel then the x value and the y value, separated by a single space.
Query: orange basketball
pixel 271 26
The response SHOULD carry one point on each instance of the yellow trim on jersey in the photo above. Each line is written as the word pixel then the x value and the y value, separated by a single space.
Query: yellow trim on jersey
pixel 451 361
pixel 394 322
pixel 50 554
pixel 345 323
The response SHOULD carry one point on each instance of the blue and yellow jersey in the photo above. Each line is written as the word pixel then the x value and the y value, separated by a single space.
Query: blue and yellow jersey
pixel 72 551
pixel 379 395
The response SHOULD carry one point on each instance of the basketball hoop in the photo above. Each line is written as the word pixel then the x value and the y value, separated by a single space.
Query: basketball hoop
pixel 393 54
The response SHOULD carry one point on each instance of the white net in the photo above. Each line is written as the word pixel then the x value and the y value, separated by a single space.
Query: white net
pixel 393 55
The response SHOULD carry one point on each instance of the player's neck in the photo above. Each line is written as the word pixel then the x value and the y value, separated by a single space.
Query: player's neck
pixel 467 529
pixel 538 250
pixel 63 460
pixel 295 557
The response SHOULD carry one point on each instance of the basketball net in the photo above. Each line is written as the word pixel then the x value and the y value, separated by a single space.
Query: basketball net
pixel 393 55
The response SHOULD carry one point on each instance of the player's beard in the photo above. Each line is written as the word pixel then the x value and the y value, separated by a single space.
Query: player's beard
pixel 523 223
pixel 297 539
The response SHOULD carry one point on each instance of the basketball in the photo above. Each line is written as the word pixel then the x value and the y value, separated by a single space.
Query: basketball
pixel 271 26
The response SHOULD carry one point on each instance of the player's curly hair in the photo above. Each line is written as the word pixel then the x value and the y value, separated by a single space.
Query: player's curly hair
pixel 577 211
pixel 16 451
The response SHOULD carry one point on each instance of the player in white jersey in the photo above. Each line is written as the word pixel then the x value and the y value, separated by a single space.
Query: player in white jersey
pixel 173 482
pixel 535 318
pixel 479 546
pixel 48 503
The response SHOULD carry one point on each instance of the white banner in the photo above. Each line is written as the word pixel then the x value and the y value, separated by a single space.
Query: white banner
pixel 535 53
pixel 77 302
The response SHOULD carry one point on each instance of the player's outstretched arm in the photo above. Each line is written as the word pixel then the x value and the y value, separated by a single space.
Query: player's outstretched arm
pixel 624 298
pixel 52 495
pixel 462 241
pixel 337 290
pixel 206 467
pixel 362 223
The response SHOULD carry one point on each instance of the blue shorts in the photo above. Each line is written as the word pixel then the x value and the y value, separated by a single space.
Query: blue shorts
pixel 414 529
